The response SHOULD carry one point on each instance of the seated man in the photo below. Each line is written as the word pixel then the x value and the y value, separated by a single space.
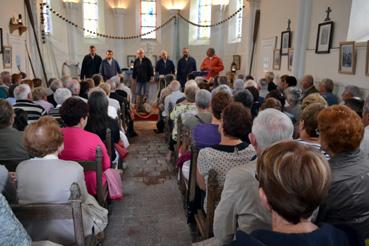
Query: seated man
pixel 171 99
pixel 11 144
pixel 23 96
pixel 307 84
pixel 240 207
pixel 326 87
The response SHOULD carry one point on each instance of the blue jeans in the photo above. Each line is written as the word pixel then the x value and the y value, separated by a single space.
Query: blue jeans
pixel 139 87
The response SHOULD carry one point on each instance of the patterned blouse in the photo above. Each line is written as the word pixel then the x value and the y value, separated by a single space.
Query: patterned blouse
pixel 223 158
pixel 178 110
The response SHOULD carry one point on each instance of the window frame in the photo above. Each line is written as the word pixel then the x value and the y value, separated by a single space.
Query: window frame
pixel 47 28
pixel 88 35
pixel 156 20
pixel 207 4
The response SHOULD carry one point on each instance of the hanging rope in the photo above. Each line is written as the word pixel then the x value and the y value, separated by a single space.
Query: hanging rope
pixel 53 11
pixel 211 25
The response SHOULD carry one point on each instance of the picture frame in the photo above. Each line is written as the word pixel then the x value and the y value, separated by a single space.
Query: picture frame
pixel 285 42
pixel 1 40
pixel 347 57
pixel 7 57
pixel 237 61
pixel 367 59
pixel 290 59
pixel 324 38
pixel 277 59
pixel 130 58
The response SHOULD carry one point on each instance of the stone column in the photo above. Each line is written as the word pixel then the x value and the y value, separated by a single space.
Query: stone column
pixel 120 52
pixel 301 37
pixel 73 10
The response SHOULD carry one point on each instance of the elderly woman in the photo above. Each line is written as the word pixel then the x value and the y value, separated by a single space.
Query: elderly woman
pixel 203 116
pixel 78 143
pixel 231 151
pixel 60 95
pixel 313 98
pixel 47 179
pixel 292 199
pixel 293 96
pixel 341 131
pixel 205 135
pixel 39 95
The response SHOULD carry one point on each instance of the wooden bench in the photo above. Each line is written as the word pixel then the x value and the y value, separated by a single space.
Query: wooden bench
pixel 47 211
pixel 96 165
pixel 204 221
pixel 11 164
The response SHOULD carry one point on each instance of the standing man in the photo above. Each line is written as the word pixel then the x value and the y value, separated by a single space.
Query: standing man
pixel 90 64
pixel 109 66
pixel 186 65
pixel 142 73
pixel 212 64
pixel 164 66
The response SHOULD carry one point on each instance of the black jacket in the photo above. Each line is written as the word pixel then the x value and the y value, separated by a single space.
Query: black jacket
pixel 184 68
pixel 142 71
pixel 164 68
pixel 90 66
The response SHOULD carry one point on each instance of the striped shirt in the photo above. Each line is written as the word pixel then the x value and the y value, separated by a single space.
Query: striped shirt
pixel 33 110
pixel 317 147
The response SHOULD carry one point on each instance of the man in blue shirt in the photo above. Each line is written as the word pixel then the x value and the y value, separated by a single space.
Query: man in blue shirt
pixel 186 65
pixel 109 66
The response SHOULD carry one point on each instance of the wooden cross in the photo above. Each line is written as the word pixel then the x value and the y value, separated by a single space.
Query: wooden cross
pixel 328 11
pixel 289 25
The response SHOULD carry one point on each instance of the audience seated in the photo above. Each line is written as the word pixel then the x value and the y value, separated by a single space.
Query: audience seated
pixel 23 95
pixel 308 127
pixel 326 87
pixel 113 94
pixel 231 151
pixel 238 85
pixel 85 87
pixel 203 116
pixel 292 199
pixel 11 99
pixel 46 179
pixel 258 100
pixel 307 84
pixel 54 85
pixel 245 98
pixel 222 88
pixel 271 102
pixel 293 107
pixel 341 131
pixel 350 91
pixel 8 185
pixel 356 104
pixel 240 207
pixel 74 87
pixel 174 95
pixel 277 94
pixel 99 120
pixel 60 95
pixel 97 79
pixel 39 95
pixel 37 82
pixel 269 77
pixel 364 146
pixel 205 135
pixel 78 143
pixel 112 102
pixel 20 119
pixel 5 82
pixel 313 98
pixel 11 145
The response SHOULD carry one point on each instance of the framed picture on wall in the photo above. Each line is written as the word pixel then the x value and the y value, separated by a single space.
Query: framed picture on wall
pixel 324 38
pixel 347 62
pixel 237 61
pixel 7 56
pixel 130 60
pixel 367 59
pixel 277 59
pixel 290 59
pixel 1 40
pixel 285 42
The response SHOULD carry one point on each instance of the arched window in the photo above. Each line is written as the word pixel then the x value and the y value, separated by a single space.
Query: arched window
pixel 235 24
pixel 200 13
pixel 47 17
pixel 359 21
pixel 90 17
pixel 148 18
pixel 239 17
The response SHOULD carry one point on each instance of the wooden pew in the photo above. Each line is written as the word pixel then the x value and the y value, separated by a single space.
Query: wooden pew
pixel 11 164
pixel 96 165
pixel 191 190
pixel 204 221
pixel 183 182
pixel 108 146
pixel 47 211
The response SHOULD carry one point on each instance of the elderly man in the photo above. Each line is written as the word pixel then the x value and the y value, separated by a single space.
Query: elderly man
pixel 11 140
pixel 23 95
pixel 186 65
pixel 90 64
pixel 212 64
pixel 109 67
pixel 75 87
pixel 307 84
pixel 240 207
pixel 349 92
pixel 326 87
pixel 142 73
pixel 269 79
pixel 170 101
pixel 60 95
pixel 164 66
pixel 54 85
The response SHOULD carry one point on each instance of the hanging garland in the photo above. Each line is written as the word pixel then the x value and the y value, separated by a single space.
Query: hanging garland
pixel 211 25
pixel 53 11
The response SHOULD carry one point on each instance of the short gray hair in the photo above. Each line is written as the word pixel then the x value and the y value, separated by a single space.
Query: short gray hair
pixel 22 91
pixel 62 94
pixel 353 90
pixel 203 99
pixel 271 126
pixel 113 84
pixel 328 84
pixel 74 86
pixel 190 92
pixel 269 76
pixel 55 84
pixel 175 85
pixel 366 105
pixel 238 84
pixel 223 88
pixel 293 94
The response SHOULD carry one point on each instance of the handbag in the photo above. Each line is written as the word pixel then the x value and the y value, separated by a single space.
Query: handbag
pixel 115 184
pixel 123 152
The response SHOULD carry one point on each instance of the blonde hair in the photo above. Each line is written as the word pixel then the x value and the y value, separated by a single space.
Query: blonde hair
pixel 313 98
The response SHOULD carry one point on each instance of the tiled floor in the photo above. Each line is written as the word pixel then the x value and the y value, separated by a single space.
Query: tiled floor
pixel 151 212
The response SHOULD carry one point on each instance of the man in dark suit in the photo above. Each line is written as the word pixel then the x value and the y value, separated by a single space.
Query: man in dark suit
pixel 109 66
pixel 186 65
pixel 307 83
pixel 164 66
pixel 90 64
pixel 142 72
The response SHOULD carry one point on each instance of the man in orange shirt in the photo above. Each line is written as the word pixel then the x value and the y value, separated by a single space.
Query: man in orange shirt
pixel 212 64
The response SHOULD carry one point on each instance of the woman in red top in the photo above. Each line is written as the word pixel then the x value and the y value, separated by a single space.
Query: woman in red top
pixel 212 64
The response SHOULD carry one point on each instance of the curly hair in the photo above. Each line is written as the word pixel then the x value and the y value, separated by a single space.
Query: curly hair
pixel 237 120
pixel 219 101
pixel 341 129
